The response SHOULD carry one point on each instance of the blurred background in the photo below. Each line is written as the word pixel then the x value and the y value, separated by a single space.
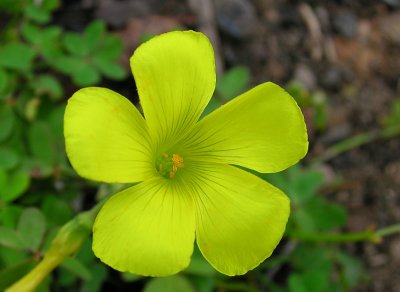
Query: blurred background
pixel 339 59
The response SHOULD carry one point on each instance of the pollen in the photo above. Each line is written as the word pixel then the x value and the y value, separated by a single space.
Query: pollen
pixel 178 161
pixel 168 165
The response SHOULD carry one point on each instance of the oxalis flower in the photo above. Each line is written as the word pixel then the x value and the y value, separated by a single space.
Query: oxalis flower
pixel 188 183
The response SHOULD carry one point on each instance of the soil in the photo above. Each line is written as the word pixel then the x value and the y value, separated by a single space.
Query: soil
pixel 350 50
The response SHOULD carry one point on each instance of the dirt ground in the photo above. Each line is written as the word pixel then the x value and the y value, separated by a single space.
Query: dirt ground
pixel 350 50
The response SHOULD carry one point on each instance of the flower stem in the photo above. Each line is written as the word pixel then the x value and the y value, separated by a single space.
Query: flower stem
pixel 374 236
pixel 357 141
pixel 389 230
pixel 67 242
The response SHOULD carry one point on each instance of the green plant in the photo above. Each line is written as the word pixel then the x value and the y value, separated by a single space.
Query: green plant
pixel 315 100
pixel 37 185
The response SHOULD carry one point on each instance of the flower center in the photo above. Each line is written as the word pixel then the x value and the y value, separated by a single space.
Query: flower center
pixel 168 165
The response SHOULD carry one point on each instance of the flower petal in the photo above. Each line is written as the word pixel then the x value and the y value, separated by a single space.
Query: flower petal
pixel 240 218
pixel 106 138
pixel 147 229
pixel 175 77
pixel 262 129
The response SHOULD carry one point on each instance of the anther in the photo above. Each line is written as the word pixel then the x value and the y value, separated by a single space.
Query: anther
pixel 169 165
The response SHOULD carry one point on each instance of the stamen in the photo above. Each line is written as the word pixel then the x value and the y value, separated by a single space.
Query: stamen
pixel 177 160
pixel 168 166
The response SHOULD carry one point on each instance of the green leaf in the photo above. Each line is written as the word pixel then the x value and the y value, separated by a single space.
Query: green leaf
pixel 279 180
pixel 16 56
pixel 3 81
pixel 49 85
pixel 320 255
pixel 87 75
pixel 31 227
pixel 40 36
pixel 297 283
pixel 300 184
pixel 320 215
pixel 128 277
pixel 51 33
pixel 50 5
pixel 9 215
pixel 16 184
pixel 352 271
pixel 319 103
pixel 77 268
pixel 305 185
pixel 213 104
pixel 37 167
pixel 57 211
pixel 7 122
pixel 52 52
pixel 12 6
pixel 85 254
pixel 94 32
pixel 50 44
pixel 204 283
pixel 11 274
pixel 76 44
pixel 3 179
pixel 10 238
pixel 233 82
pixel 315 281
pixel 37 13
pixel 41 142
pixel 10 256
pixel 56 121
pixel 8 158
pixel 110 69
pixel 299 93
pixel 175 283
pixel 110 48
pixel 67 64
pixel 31 33
pixel 95 283
pixel 199 266
pixel 66 278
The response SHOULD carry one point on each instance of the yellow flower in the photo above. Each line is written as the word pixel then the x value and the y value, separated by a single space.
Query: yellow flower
pixel 190 187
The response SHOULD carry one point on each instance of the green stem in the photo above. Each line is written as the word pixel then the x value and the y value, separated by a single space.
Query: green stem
pixel 66 243
pixel 388 230
pixel 357 141
pixel 33 279
pixel 368 235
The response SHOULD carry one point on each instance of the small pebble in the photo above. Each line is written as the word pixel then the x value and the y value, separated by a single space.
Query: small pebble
pixel 305 75
pixel 332 78
pixel 236 18
pixel 390 26
pixel 345 23
pixel 393 3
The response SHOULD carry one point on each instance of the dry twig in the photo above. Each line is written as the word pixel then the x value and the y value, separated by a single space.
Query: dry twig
pixel 205 12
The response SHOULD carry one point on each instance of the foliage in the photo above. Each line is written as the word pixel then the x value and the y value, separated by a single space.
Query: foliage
pixel 317 101
pixel 39 192
pixel 315 265
pixel 393 119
